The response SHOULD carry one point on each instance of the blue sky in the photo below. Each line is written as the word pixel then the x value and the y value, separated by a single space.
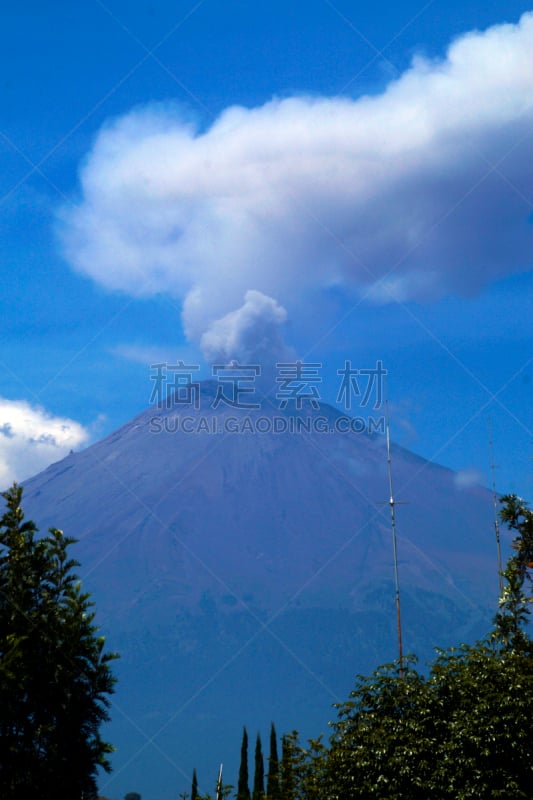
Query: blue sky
pixel 160 160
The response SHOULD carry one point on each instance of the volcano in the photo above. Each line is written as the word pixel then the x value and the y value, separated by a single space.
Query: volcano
pixel 241 563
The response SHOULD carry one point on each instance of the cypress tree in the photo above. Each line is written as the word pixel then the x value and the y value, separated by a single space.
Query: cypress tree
pixel 273 791
pixel 194 786
pixel 243 789
pixel 259 773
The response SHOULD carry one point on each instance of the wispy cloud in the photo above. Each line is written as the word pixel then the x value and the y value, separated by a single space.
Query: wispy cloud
pixel 430 181
pixel 31 439
pixel 466 478
pixel 143 354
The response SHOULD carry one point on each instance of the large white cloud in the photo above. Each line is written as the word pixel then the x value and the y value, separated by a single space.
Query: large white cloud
pixel 31 439
pixel 310 191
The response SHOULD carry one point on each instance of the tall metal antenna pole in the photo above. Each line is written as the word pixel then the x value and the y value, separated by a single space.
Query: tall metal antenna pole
pixel 495 502
pixel 394 544
pixel 219 784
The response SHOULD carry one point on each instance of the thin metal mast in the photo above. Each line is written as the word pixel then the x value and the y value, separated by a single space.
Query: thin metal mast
pixel 219 784
pixel 394 544
pixel 495 502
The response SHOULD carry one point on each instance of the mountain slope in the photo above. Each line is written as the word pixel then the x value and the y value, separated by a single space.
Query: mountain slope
pixel 247 576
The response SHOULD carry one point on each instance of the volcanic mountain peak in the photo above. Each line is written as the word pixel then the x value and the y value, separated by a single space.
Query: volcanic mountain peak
pixel 246 573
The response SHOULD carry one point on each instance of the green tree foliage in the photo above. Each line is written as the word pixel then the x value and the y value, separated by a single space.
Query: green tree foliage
pixel 289 765
pixel 302 768
pixel 372 753
pixel 259 772
pixel 273 785
pixel 55 677
pixel 514 610
pixel 243 788
pixel 463 731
